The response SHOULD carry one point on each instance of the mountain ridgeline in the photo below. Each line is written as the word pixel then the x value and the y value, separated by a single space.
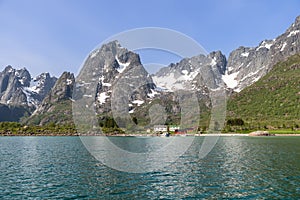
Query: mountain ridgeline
pixel 262 85
pixel 20 95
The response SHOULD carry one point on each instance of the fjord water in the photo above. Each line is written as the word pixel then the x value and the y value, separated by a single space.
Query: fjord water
pixel 237 167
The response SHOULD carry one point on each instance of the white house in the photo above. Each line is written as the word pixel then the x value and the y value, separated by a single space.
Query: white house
pixel 160 128
pixel 173 128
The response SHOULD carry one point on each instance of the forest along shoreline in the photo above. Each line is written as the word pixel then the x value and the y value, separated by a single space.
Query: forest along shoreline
pixel 52 129
pixel 10 134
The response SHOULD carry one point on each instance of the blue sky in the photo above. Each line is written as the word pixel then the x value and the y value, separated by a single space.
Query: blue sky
pixel 57 35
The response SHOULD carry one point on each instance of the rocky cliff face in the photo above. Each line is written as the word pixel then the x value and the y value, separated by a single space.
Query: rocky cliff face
pixel 192 73
pixel 19 94
pixel 18 89
pixel 41 85
pixel 114 69
pixel 62 90
pixel 56 106
pixel 12 82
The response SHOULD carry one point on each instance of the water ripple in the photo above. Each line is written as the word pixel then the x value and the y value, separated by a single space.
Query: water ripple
pixel 237 168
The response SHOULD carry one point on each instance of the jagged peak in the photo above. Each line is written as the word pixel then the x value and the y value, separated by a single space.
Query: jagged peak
pixel 9 68
pixel 112 45
pixel 218 52
pixel 44 75
pixel 66 74
pixel 115 43
pixel 24 68
pixel 217 55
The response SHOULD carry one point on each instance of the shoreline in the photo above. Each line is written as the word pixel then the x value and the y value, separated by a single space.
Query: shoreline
pixel 145 135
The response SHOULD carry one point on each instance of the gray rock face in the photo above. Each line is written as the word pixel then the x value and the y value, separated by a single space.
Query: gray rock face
pixel 247 65
pixel 16 88
pixel 43 83
pixel 62 90
pixel 11 83
pixel 117 72
pixel 192 73
pixel 39 88
pixel 17 96
pixel 56 106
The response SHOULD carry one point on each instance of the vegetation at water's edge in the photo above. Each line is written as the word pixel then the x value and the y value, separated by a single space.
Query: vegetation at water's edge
pixel 15 128
pixel 246 127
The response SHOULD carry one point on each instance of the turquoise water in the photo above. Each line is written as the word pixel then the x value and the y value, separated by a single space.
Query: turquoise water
pixel 238 167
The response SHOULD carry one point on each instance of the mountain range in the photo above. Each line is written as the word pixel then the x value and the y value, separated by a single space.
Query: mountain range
pixel 112 71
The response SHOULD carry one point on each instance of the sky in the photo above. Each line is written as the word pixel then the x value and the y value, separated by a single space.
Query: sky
pixel 57 35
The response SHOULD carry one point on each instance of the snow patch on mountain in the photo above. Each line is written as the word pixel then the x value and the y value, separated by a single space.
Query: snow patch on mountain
pixel 175 80
pixel 246 54
pixel 265 44
pixel 122 66
pixel 29 95
pixel 292 33
pixel 165 82
pixel 69 82
pixel 33 89
pixel 172 81
pixel 138 102
pixel 131 111
pixel 102 97
pixel 101 79
pixel 283 46
pixel 230 79
pixel 152 94
pixel 213 62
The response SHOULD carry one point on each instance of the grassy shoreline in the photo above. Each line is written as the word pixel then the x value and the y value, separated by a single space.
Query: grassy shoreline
pixel 16 129
pixel 139 135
